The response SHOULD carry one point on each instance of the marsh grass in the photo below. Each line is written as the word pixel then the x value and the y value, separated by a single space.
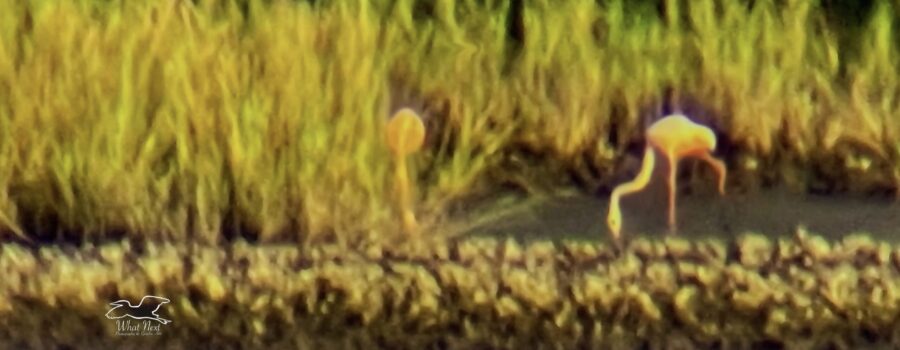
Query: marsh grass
pixel 210 120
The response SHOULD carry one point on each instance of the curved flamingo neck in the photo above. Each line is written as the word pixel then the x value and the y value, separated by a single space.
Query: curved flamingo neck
pixel 640 181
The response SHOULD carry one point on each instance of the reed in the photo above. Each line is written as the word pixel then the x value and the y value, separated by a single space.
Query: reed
pixel 209 120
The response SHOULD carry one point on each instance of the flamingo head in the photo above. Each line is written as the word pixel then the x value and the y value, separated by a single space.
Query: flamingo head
pixel 614 220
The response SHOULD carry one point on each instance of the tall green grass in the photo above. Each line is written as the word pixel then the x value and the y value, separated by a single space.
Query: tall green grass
pixel 206 120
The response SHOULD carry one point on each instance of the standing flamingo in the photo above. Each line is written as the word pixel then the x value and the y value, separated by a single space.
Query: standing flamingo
pixel 405 135
pixel 675 137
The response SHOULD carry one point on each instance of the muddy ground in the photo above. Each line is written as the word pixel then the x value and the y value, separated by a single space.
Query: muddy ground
pixel 701 212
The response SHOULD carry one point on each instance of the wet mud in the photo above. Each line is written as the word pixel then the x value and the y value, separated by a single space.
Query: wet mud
pixel 701 213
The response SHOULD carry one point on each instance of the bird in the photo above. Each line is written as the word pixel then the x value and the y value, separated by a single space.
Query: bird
pixel 405 134
pixel 145 310
pixel 674 136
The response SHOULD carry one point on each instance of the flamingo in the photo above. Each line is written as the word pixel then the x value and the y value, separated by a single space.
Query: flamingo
pixel 405 135
pixel 675 137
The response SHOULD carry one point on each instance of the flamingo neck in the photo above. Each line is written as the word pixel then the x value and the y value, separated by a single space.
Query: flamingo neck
pixel 640 181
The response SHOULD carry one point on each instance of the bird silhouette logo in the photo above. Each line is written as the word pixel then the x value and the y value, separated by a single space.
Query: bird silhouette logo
pixel 145 310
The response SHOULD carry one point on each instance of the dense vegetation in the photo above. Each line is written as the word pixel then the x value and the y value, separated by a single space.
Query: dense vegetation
pixel 213 119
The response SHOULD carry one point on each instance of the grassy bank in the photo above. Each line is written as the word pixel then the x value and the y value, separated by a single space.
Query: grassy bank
pixel 214 120
pixel 800 292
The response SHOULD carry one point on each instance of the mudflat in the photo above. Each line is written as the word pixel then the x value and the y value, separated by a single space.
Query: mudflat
pixel 702 213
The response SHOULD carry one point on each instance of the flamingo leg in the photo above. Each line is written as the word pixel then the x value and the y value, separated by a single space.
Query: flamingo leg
pixel 403 191
pixel 718 166
pixel 673 171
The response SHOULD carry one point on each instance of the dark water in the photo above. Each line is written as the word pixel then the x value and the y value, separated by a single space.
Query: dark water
pixel 700 212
